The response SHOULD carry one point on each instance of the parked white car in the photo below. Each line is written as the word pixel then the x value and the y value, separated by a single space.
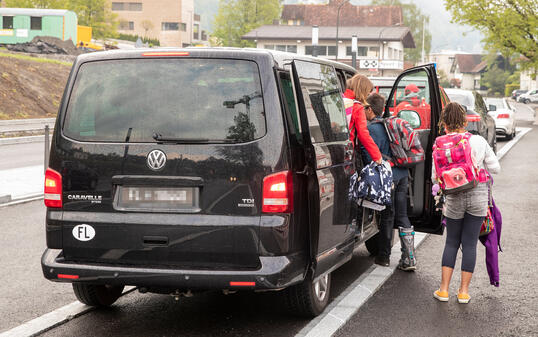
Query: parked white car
pixel 530 96
pixel 504 115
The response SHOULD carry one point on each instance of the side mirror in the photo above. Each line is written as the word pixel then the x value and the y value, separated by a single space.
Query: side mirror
pixel 465 108
pixel 492 107
pixel 411 116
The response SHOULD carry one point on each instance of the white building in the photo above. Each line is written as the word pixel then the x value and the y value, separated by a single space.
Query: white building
pixel 528 80
pixel 380 49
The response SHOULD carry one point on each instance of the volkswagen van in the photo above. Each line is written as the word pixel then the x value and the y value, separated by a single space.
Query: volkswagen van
pixel 177 171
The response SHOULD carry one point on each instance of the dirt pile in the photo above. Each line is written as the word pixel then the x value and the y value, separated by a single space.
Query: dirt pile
pixel 30 87
pixel 45 45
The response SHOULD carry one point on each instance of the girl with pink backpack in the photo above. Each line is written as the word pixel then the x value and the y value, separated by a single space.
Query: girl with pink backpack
pixel 461 166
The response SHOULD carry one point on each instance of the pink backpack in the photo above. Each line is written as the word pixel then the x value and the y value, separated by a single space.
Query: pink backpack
pixel 453 164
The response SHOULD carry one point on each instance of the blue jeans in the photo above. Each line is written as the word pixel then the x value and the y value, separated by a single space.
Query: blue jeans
pixel 393 216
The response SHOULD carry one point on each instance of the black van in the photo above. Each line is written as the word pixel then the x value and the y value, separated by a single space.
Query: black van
pixel 184 170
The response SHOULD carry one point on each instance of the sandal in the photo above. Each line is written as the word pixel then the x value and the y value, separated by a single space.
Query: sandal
pixel 442 296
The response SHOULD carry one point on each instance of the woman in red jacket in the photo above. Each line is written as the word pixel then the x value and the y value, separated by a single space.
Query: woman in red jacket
pixel 358 89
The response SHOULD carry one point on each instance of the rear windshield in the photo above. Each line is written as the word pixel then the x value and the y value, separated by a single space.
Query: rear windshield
pixel 200 100
pixel 462 99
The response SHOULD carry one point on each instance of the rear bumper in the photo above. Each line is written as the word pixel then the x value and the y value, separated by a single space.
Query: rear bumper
pixel 276 272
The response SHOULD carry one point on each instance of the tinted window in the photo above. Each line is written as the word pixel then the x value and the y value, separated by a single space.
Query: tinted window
pixel 289 100
pixel 35 23
pixel 213 100
pixel 461 99
pixel 323 101
pixel 7 22
pixel 480 105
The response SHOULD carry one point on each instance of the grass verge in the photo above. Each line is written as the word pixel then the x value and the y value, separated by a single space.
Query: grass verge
pixel 36 59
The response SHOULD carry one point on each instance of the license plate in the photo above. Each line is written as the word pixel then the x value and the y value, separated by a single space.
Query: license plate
pixel 156 198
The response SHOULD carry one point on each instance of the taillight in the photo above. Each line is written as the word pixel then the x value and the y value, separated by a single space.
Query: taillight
pixel 278 193
pixel 53 189
pixel 473 118
pixel 503 116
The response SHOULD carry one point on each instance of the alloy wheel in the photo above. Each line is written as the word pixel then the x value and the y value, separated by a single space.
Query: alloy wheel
pixel 320 287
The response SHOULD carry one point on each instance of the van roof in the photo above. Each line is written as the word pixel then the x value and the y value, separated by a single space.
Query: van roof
pixel 279 57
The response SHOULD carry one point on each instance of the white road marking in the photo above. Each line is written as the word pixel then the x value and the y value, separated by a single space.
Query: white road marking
pixel 53 319
pixel 353 297
pixel 520 133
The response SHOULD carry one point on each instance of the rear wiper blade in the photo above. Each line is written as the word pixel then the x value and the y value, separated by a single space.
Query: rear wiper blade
pixel 158 137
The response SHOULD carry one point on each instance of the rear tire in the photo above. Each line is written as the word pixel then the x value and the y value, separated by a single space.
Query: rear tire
pixel 372 245
pixel 97 295
pixel 309 299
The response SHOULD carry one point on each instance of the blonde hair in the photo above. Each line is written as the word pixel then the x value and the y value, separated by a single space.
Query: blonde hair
pixel 361 86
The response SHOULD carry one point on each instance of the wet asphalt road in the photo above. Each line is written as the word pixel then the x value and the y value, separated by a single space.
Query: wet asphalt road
pixel 402 307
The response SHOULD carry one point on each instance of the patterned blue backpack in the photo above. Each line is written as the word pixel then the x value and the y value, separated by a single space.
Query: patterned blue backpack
pixel 373 185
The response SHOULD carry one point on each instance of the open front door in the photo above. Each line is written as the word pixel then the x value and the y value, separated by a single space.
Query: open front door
pixel 416 98
pixel 328 154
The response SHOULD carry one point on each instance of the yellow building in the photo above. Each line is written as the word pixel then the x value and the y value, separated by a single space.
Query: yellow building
pixel 173 22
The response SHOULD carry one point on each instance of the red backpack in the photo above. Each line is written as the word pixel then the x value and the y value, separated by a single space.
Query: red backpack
pixel 404 142
pixel 453 163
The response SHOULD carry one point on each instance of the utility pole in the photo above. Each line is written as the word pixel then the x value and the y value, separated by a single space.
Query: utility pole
pixel 423 24
pixel 337 26
pixel 315 38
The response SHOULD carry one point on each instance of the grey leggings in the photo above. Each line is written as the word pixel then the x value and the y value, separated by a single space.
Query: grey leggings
pixel 465 232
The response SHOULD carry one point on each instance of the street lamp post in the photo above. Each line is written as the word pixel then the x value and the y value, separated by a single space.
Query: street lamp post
pixel 337 25
pixel 382 46
pixel 315 36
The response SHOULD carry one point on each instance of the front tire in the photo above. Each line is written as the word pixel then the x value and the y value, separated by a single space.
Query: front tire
pixel 526 101
pixel 309 298
pixel 97 295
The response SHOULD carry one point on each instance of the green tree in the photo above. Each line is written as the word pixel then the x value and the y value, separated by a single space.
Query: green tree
pixel 96 14
pixel 53 4
pixel 510 26
pixel 235 18
pixel 413 18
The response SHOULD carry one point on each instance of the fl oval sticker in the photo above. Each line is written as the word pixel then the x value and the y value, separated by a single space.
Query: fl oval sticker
pixel 83 232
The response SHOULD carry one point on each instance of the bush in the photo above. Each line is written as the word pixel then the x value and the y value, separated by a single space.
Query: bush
pixel 134 38
pixel 509 88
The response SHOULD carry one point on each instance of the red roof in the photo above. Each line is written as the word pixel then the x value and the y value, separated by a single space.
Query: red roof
pixel 470 63
pixel 350 15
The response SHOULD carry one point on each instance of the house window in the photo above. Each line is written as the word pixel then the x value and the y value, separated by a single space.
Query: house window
pixel 7 22
pixel 361 51
pixel 35 23
pixel 281 47
pixel 196 31
pixel 127 6
pixel 204 35
pixel 170 26
pixel 183 27
pixel 331 50
pixel 374 50
pixel 322 50
pixel 118 6
pixel 135 6
pixel 126 25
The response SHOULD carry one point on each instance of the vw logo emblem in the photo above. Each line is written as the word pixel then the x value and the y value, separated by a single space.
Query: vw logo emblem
pixel 156 160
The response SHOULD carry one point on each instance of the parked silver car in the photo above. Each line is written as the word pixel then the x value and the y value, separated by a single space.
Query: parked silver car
pixel 504 115
pixel 530 96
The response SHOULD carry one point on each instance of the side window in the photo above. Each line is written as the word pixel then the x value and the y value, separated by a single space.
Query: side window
pixel 411 100
pixel 480 105
pixel 342 80
pixel 322 95
pixel 291 105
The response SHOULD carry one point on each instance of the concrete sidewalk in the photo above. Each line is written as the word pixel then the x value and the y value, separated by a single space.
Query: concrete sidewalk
pixel 21 183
